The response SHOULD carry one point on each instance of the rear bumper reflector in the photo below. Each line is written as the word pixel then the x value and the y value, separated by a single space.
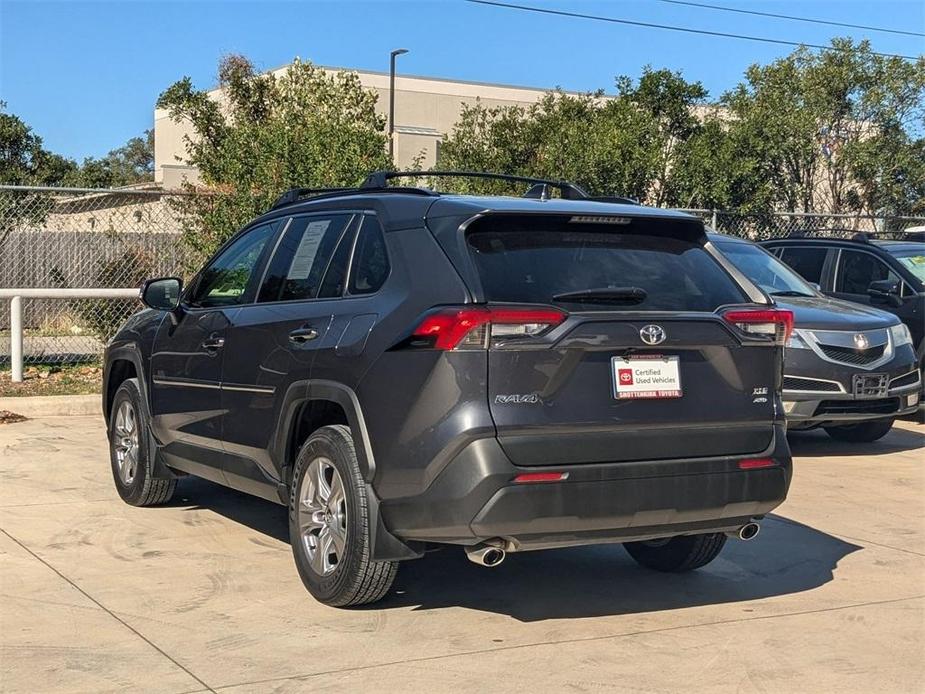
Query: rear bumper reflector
pixel 532 477
pixel 755 463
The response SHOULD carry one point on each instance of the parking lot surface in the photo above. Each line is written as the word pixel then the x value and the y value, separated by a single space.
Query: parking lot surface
pixel 202 594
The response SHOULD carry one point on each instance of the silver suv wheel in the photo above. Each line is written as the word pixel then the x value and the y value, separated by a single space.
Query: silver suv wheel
pixel 125 442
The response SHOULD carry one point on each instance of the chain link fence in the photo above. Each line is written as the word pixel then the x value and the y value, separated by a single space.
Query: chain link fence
pixel 81 238
pixel 758 227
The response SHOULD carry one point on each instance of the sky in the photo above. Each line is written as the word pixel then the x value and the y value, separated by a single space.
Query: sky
pixel 85 75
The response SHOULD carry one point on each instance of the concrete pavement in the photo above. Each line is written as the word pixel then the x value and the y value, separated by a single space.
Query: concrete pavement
pixel 202 595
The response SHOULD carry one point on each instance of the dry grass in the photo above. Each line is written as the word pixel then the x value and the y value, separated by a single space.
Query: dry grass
pixel 7 417
pixel 53 380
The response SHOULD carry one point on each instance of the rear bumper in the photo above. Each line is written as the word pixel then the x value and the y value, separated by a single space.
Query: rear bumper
pixel 476 499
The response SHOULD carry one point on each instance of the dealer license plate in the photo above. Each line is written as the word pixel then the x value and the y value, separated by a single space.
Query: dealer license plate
pixel 646 377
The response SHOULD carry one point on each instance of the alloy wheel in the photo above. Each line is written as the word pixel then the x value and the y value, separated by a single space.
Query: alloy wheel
pixel 322 516
pixel 125 442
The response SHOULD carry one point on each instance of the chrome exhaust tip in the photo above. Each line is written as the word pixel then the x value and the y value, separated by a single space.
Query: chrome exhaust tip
pixel 485 555
pixel 747 532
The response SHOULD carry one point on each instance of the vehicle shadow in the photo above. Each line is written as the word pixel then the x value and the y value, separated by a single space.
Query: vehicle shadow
pixel 267 518
pixel 787 557
pixel 818 444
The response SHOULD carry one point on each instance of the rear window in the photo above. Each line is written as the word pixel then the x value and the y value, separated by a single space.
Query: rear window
pixel 535 265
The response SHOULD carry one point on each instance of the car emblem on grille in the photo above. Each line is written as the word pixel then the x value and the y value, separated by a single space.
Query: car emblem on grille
pixel 652 334
pixel 860 341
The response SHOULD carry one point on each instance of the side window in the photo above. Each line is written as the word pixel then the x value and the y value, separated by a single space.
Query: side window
pixel 335 279
pixel 856 270
pixel 370 260
pixel 807 262
pixel 226 279
pixel 301 257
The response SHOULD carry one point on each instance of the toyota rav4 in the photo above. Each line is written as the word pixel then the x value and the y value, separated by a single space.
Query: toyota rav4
pixel 401 367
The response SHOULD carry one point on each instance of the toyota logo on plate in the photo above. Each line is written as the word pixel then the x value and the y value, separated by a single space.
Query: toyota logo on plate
pixel 652 334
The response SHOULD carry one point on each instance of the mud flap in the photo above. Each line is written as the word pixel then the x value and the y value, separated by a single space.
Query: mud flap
pixel 384 546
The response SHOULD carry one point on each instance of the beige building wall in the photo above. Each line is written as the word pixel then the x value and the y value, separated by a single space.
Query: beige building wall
pixel 426 108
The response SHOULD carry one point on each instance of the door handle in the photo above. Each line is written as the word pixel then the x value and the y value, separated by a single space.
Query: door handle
pixel 302 335
pixel 214 343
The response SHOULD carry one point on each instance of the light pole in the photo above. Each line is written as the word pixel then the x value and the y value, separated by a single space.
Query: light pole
pixel 394 54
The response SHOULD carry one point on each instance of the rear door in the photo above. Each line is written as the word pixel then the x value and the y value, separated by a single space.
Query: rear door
pixel 272 343
pixel 644 367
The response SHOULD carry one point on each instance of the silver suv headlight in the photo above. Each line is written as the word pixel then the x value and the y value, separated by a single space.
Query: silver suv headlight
pixel 900 335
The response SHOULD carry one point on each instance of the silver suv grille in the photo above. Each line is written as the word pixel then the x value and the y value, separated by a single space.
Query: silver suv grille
pixel 811 385
pixel 908 379
pixel 866 349
pixel 853 356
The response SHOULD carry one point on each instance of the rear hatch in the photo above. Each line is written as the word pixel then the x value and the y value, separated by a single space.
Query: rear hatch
pixel 636 357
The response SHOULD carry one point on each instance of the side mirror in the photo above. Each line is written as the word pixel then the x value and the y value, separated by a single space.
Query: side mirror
pixel 816 286
pixel 884 292
pixel 162 294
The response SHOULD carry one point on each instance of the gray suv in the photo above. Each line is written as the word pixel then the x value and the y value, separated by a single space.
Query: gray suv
pixel 401 367
pixel 848 368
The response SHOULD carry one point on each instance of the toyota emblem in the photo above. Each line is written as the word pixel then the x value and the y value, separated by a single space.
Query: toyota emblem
pixel 860 341
pixel 653 334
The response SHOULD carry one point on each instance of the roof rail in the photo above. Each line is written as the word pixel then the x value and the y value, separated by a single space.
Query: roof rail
pixel 836 234
pixel 540 191
pixel 380 180
pixel 294 195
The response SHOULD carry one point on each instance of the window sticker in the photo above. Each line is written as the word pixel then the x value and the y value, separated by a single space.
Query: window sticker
pixel 305 254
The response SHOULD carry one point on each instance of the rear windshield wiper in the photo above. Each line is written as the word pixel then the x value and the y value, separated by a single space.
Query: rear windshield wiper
pixel 605 295
pixel 790 292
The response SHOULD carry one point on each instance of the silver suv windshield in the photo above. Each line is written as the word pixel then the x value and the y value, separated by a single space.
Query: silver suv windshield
pixel 764 269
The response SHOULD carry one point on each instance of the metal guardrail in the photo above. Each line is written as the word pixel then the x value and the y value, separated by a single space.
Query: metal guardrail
pixel 16 296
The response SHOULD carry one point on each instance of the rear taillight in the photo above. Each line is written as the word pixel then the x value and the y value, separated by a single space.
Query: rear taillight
pixel 776 324
pixel 473 327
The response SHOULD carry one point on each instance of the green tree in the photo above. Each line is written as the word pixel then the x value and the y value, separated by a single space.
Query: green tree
pixel 625 145
pixel 305 128
pixel 130 164
pixel 603 145
pixel 889 170
pixel 669 106
pixel 806 125
pixel 23 158
pixel 25 161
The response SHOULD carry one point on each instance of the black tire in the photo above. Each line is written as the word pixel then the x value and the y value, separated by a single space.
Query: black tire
pixel 862 432
pixel 677 554
pixel 354 578
pixel 133 472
